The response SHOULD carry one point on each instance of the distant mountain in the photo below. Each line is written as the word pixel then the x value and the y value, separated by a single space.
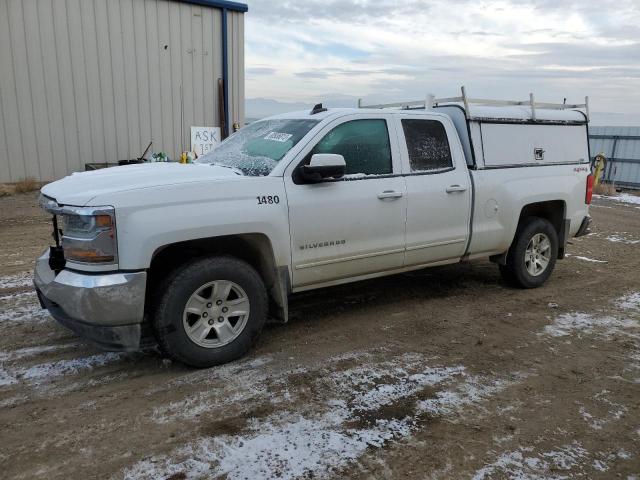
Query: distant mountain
pixel 257 108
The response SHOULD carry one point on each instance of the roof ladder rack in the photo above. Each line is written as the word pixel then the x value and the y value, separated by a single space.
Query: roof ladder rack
pixel 430 101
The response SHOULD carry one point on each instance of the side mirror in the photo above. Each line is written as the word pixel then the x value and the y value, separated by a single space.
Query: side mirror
pixel 322 166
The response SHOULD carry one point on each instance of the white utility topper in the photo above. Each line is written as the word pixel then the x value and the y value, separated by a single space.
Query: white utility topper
pixel 197 257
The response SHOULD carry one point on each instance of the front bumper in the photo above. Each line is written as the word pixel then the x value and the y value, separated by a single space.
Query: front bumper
pixel 106 309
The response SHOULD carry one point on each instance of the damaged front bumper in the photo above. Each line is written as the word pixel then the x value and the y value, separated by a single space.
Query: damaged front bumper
pixel 107 309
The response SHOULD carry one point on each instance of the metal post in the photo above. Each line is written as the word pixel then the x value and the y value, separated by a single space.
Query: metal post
pixel 225 73
pixel 181 120
pixel 465 101
pixel 428 104
pixel 586 107
pixel 533 106
pixel 612 158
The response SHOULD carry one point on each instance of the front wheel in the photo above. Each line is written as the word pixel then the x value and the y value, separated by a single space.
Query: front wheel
pixel 211 311
pixel 533 253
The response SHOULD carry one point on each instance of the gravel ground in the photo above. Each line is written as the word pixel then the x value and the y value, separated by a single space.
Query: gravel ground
pixel 441 373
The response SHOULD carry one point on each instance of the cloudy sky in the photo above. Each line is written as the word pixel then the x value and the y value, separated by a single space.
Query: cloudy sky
pixel 307 50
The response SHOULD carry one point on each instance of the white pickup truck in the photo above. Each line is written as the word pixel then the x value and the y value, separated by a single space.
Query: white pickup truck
pixel 197 257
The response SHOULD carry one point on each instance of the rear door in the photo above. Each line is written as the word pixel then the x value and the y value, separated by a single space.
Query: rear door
pixel 438 189
pixel 353 226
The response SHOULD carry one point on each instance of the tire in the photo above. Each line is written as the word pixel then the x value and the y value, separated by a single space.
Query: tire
pixel 532 255
pixel 191 323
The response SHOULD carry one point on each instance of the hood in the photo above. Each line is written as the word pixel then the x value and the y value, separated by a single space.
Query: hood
pixel 79 188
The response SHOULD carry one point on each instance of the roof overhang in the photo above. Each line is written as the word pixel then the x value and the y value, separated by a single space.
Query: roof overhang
pixel 234 6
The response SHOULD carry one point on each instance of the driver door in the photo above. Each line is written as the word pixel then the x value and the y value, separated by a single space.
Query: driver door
pixel 352 226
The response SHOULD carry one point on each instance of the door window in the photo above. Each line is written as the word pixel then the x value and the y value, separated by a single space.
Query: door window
pixel 427 145
pixel 364 144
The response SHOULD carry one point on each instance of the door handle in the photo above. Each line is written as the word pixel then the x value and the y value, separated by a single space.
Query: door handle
pixel 456 188
pixel 389 194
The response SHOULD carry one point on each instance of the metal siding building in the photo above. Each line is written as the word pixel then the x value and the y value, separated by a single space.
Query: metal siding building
pixel 621 147
pixel 96 80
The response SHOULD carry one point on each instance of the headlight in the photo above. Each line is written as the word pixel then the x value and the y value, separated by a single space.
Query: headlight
pixel 89 234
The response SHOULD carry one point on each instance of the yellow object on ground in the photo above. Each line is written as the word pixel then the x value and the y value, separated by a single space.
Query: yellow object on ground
pixel 600 162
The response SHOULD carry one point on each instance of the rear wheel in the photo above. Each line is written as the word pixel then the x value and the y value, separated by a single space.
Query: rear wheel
pixel 533 253
pixel 211 311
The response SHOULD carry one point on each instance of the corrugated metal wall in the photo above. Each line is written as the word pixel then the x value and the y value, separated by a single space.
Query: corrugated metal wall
pixel 621 147
pixel 96 80
pixel 235 31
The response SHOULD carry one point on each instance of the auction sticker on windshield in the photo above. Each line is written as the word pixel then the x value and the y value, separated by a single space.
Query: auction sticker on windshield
pixel 278 137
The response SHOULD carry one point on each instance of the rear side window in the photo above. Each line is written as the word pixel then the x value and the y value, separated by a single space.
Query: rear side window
pixel 427 144
pixel 364 144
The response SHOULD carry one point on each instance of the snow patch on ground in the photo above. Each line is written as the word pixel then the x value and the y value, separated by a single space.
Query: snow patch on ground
pixel 31 312
pixel 587 259
pixel 240 392
pixel 242 382
pixel 525 464
pixel 13 296
pixel 23 279
pixel 43 373
pixel 623 198
pixel 28 352
pixel 625 325
pixel 606 325
pixel 595 423
pixel 602 464
pixel 381 384
pixel 615 411
pixel 473 390
pixel 47 371
pixel 6 378
pixel 629 302
pixel 336 428
pixel 617 238
pixel 284 445
pixel 587 323
pixel 21 307
pixel 627 198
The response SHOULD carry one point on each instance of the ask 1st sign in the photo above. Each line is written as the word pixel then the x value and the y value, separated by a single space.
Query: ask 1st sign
pixel 204 139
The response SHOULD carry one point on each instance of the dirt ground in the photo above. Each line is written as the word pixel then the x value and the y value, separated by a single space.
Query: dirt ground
pixel 442 373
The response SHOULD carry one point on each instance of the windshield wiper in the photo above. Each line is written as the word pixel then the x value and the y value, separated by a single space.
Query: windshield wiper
pixel 235 170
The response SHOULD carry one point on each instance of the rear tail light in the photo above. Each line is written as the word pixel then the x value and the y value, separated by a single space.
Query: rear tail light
pixel 589 194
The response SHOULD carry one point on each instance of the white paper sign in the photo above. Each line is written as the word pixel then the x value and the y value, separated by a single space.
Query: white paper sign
pixel 204 139
pixel 278 137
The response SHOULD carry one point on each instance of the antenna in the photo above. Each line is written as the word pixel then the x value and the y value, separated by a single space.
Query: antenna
pixel 317 109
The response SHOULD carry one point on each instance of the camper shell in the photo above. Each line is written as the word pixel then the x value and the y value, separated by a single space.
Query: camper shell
pixel 512 133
